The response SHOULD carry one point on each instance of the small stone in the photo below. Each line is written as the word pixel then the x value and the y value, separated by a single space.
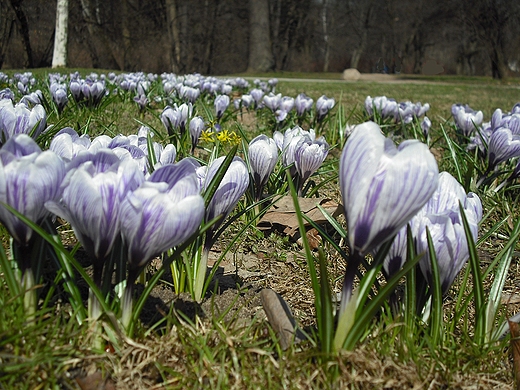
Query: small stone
pixel 351 74
pixel 280 317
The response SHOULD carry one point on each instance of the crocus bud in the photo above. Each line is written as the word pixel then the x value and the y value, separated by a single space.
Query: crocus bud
pixel 221 104
pixel 263 155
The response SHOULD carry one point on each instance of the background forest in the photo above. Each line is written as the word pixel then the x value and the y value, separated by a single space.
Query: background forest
pixel 469 37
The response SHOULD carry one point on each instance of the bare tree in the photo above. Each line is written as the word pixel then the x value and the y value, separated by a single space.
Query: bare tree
pixel 100 49
pixel 173 35
pixel 7 23
pixel 260 50
pixel 490 20
pixel 361 18
pixel 23 27
pixel 59 56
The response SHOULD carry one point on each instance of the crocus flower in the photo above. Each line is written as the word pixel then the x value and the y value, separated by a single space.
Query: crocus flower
pixel 323 106
pixel 466 118
pixel 197 125
pixel 18 119
pixel 382 186
pixel 68 144
pixel 93 190
pixel 221 104
pixel 59 95
pixel 188 93
pixel 303 104
pixel 142 101
pixel 287 103
pixel 28 179
pixel 246 101
pixel 288 142
pixel 32 99
pixel 185 110
pixel 441 216
pixel 426 124
pixel 502 146
pixel 230 190
pixel 257 95
pixel 273 101
pixel 263 155
pixel 162 213
pixel 6 94
pixel 170 119
pixel 308 157
pixel 280 115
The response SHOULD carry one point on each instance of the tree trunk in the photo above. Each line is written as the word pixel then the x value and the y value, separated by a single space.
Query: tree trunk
pixel 24 30
pixel 324 23
pixel 125 22
pixel 7 22
pixel 59 56
pixel 173 35
pixel 498 63
pixel 260 50
pixel 100 51
pixel 210 32
pixel 358 51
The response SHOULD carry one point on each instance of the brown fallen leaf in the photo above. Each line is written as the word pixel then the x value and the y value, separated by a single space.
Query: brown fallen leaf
pixel 515 350
pixel 282 216
pixel 510 299
pixel 95 381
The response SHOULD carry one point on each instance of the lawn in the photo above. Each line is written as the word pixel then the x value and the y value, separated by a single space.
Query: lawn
pixel 83 322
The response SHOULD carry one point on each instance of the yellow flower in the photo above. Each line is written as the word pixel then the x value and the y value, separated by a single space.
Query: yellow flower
pixel 234 139
pixel 207 136
pixel 223 136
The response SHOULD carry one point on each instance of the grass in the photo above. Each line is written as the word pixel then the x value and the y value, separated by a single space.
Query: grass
pixel 240 350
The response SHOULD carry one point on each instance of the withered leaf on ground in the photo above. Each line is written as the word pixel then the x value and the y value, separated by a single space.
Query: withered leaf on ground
pixel 282 216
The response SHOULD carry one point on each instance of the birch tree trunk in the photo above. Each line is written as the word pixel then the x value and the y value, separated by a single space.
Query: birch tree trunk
pixel 59 55
pixel 324 23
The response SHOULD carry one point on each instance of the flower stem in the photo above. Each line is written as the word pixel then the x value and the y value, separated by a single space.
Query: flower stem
pixel 348 282
pixel 127 303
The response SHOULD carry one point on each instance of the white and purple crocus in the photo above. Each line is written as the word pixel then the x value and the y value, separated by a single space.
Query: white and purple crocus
pixel 93 190
pixel 263 156
pixel 383 187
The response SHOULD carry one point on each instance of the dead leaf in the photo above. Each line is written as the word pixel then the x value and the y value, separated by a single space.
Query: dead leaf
pixel 515 350
pixel 282 216
pixel 95 381
pixel 510 298
pixel 313 238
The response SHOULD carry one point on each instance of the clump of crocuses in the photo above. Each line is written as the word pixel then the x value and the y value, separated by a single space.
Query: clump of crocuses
pixel 20 119
pixel 302 153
